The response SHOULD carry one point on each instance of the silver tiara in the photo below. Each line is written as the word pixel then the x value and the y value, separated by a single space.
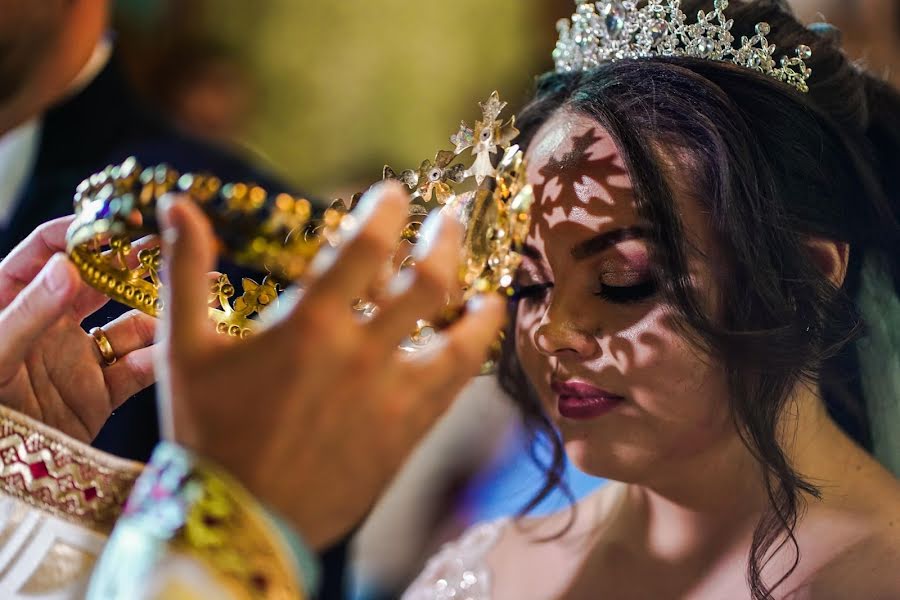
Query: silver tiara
pixel 603 32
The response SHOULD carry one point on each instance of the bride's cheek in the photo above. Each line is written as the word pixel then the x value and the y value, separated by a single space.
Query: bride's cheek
pixel 671 380
pixel 652 354
pixel 641 345
pixel 535 365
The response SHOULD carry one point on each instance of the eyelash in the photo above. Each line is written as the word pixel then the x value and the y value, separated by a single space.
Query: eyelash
pixel 628 294
pixel 616 294
pixel 528 292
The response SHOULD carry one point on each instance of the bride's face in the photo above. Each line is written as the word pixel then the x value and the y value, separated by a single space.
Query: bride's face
pixel 628 392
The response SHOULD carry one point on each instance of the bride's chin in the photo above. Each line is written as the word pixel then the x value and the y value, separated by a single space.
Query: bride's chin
pixel 602 460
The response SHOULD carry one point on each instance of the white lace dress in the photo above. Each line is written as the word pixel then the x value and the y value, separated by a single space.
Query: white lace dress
pixel 459 570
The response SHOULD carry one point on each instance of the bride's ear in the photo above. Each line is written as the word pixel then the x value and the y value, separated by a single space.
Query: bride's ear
pixel 830 257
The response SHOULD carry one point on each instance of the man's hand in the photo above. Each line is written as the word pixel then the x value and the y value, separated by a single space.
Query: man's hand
pixel 315 413
pixel 50 368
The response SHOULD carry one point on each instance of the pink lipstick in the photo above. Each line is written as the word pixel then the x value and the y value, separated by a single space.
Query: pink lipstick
pixel 579 401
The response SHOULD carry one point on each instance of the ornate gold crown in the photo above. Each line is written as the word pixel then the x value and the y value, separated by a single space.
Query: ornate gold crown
pixel 280 235
pixel 118 205
pixel 611 30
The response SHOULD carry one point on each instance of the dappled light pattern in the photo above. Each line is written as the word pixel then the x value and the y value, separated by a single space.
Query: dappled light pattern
pixel 585 231
pixel 570 171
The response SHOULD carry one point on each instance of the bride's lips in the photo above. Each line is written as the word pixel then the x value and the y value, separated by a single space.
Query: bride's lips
pixel 576 400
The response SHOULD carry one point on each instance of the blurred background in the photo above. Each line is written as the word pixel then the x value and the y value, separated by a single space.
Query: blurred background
pixel 324 94
pixel 328 92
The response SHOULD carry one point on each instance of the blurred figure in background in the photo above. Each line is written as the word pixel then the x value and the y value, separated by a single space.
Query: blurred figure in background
pixel 67 111
pixel 206 91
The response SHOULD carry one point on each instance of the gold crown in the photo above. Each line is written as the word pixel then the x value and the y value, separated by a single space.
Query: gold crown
pixel 280 235
pixel 117 206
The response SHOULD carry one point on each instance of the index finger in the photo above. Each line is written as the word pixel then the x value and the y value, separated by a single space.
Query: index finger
pixel 189 247
pixel 338 276
pixel 27 259
pixel 457 355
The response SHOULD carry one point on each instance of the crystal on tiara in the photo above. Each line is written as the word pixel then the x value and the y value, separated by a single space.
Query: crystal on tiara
pixel 607 31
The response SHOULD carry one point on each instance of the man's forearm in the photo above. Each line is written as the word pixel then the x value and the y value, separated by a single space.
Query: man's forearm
pixel 191 530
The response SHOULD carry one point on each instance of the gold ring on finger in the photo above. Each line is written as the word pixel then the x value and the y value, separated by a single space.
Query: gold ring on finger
pixel 106 350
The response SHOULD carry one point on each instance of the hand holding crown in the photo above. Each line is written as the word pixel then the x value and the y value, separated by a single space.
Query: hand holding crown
pixel 50 369
pixel 359 401
pixel 281 235
pixel 363 359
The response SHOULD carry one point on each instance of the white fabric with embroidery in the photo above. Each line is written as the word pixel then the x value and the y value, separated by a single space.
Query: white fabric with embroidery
pixel 459 570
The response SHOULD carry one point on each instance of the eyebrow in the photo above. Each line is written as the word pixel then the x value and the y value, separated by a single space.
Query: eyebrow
pixel 605 240
pixel 596 244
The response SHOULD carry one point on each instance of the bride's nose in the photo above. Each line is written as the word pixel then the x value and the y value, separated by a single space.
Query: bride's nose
pixel 562 333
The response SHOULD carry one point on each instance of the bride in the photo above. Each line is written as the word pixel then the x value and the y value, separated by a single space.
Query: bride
pixel 686 325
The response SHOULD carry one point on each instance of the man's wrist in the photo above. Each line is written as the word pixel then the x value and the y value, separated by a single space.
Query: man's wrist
pixel 305 560
pixel 186 506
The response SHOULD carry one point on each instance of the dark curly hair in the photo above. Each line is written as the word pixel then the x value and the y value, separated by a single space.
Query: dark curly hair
pixel 777 167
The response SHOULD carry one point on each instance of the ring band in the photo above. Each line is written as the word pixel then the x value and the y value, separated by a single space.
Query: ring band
pixel 106 350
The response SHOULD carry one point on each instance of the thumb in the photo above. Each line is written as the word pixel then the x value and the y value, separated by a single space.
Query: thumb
pixel 189 251
pixel 34 310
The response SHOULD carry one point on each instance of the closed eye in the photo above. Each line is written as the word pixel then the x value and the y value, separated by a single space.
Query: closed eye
pixel 530 291
pixel 627 294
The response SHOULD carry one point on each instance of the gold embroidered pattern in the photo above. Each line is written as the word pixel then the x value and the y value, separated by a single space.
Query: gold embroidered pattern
pixel 185 506
pixel 54 473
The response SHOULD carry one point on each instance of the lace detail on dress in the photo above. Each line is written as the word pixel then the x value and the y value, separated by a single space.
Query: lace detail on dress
pixel 459 571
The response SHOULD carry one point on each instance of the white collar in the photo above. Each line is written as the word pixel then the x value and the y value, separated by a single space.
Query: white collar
pixel 98 59
pixel 18 151
pixel 19 146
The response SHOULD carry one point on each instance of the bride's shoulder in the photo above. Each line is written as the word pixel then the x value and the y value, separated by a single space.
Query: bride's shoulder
pixel 496 559
pixel 490 560
pixel 461 566
pixel 868 569
pixel 554 543
pixel 866 564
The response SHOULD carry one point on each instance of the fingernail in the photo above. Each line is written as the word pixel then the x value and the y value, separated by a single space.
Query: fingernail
pixel 480 301
pixel 321 262
pixel 57 276
pixel 371 199
pixel 476 303
pixel 168 218
pixel 428 235
pixel 400 284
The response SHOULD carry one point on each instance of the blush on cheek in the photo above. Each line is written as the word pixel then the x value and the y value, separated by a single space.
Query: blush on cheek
pixel 645 347
pixel 670 380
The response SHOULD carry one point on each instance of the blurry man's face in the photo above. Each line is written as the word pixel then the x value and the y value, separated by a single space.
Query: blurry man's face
pixel 29 30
